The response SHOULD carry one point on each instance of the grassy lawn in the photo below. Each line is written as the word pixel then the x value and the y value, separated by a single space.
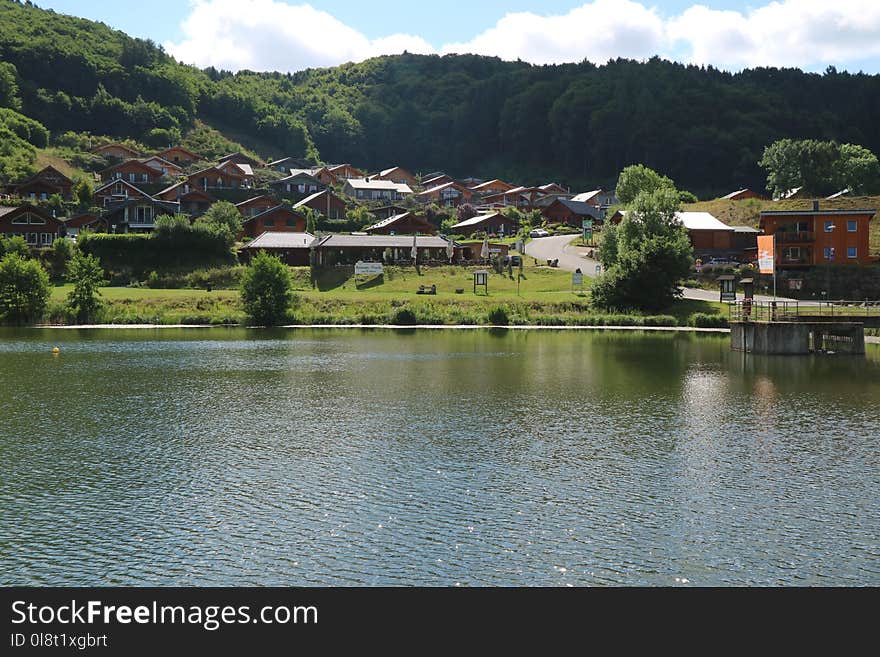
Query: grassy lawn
pixel 545 298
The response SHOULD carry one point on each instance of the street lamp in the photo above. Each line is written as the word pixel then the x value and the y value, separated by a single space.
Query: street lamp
pixel 830 253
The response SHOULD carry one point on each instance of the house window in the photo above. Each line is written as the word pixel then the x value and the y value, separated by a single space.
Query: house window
pixel 32 219
pixel 268 223
pixel 144 177
pixel 852 252
pixel 301 188
pixel 143 214
pixel 118 188
pixel 131 177
pixel 291 223
pixel 32 238
pixel 46 238
pixel 791 254
pixel 829 253
pixel 23 219
pixel 852 226
pixel 829 226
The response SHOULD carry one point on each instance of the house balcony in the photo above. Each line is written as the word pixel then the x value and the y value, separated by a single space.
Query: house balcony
pixel 795 237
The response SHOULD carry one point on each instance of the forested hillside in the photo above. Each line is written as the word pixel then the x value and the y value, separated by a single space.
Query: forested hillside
pixel 578 124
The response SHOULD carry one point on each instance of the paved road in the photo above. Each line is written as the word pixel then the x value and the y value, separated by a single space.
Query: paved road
pixel 573 257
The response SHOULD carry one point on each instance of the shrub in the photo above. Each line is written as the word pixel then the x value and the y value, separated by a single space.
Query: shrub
pixel 84 299
pixel 498 316
pixel 404 317
pixel 24 289
pixel 266 289
pixel 704 320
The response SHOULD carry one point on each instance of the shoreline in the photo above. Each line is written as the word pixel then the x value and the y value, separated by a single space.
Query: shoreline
pixel 453 327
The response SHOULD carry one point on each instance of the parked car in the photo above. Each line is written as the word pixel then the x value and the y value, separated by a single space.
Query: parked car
pixel 539 232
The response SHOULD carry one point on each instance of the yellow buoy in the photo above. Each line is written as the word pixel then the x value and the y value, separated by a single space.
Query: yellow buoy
pixel 56 350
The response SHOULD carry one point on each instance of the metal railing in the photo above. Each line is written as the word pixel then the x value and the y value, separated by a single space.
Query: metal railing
pixel 749 310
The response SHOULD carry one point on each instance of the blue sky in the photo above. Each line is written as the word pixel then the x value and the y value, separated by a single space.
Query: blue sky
pixel 283 35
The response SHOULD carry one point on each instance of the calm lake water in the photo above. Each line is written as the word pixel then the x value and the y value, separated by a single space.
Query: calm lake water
pixel 235 457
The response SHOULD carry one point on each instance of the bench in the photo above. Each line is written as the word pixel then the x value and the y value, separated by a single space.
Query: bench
pixel 424 289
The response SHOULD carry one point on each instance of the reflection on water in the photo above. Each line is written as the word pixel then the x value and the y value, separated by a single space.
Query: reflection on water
pixel 339 457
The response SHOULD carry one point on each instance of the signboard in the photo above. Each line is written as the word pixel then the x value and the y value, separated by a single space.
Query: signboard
pixel 368 268
pixel 577 279
pixel 481 277
pixel 587 225
pixel 766 254
pixel 795 283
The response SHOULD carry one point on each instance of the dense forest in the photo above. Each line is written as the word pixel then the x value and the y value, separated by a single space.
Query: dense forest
pixel 577 124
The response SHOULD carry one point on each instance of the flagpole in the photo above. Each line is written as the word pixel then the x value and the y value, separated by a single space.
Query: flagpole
pixel 774 266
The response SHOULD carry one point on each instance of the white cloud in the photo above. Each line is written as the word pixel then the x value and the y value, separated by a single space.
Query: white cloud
pixel 802 33
pixel 269 35
pixel 272 35
pixel 597 31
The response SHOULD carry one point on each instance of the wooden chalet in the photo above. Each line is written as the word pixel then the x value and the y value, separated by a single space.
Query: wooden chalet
pixel 449 195
pixel 117 190
pixel 492 187
pixel 179 156
pixel 397 175
pixel 293 248
pixel 572 213
pixel 137 215
pixel 159 164
pixel 436 181
pixel 391 249
pixel 37 226
pixel 117 151
pixel 345 171
pixel 134 171
pixel 375 190
pixel 494 223
pixel 406 223
pixel 256 205
pixel 285 164
pixel 325 203
pixel 241 158
pixel 276 219
pixel 299 183
pixel 743 194
pixel 45 183
pixel 215 178
pixel 86 221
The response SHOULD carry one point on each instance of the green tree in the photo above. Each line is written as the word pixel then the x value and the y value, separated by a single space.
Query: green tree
pixel 653 256
pixel 24 289
pixel 82 191
pixel 608 245
pixel 857 170
pixel 266 289
pixel 805 163
pixel 15 244
pixel 62 251
pixel 84 300
pixel 638 178
pixel 224 219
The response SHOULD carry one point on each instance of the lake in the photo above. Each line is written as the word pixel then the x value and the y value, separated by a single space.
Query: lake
pixel 353 457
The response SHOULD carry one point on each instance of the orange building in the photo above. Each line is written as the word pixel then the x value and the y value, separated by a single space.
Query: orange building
pixel 806 238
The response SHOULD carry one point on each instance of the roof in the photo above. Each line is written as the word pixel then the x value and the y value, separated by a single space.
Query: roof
pixel 814 212
pixel 384 241
pixel 840 194
pixel 146 160
pixel 274 208
pixel 257 198
pixel 182 150
pixel 136 163
pixel 363 183
pixel 121 181
pixel 281 240
pixel 385 222
pixel 480 218
pixel 308 199
pixel 297 173
pixel 387 171
pixel 583 197
pixel 736 193
pixel 438 188
pixel 491 183
pixel 695 220
pixel 579 207
pixel 745 229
